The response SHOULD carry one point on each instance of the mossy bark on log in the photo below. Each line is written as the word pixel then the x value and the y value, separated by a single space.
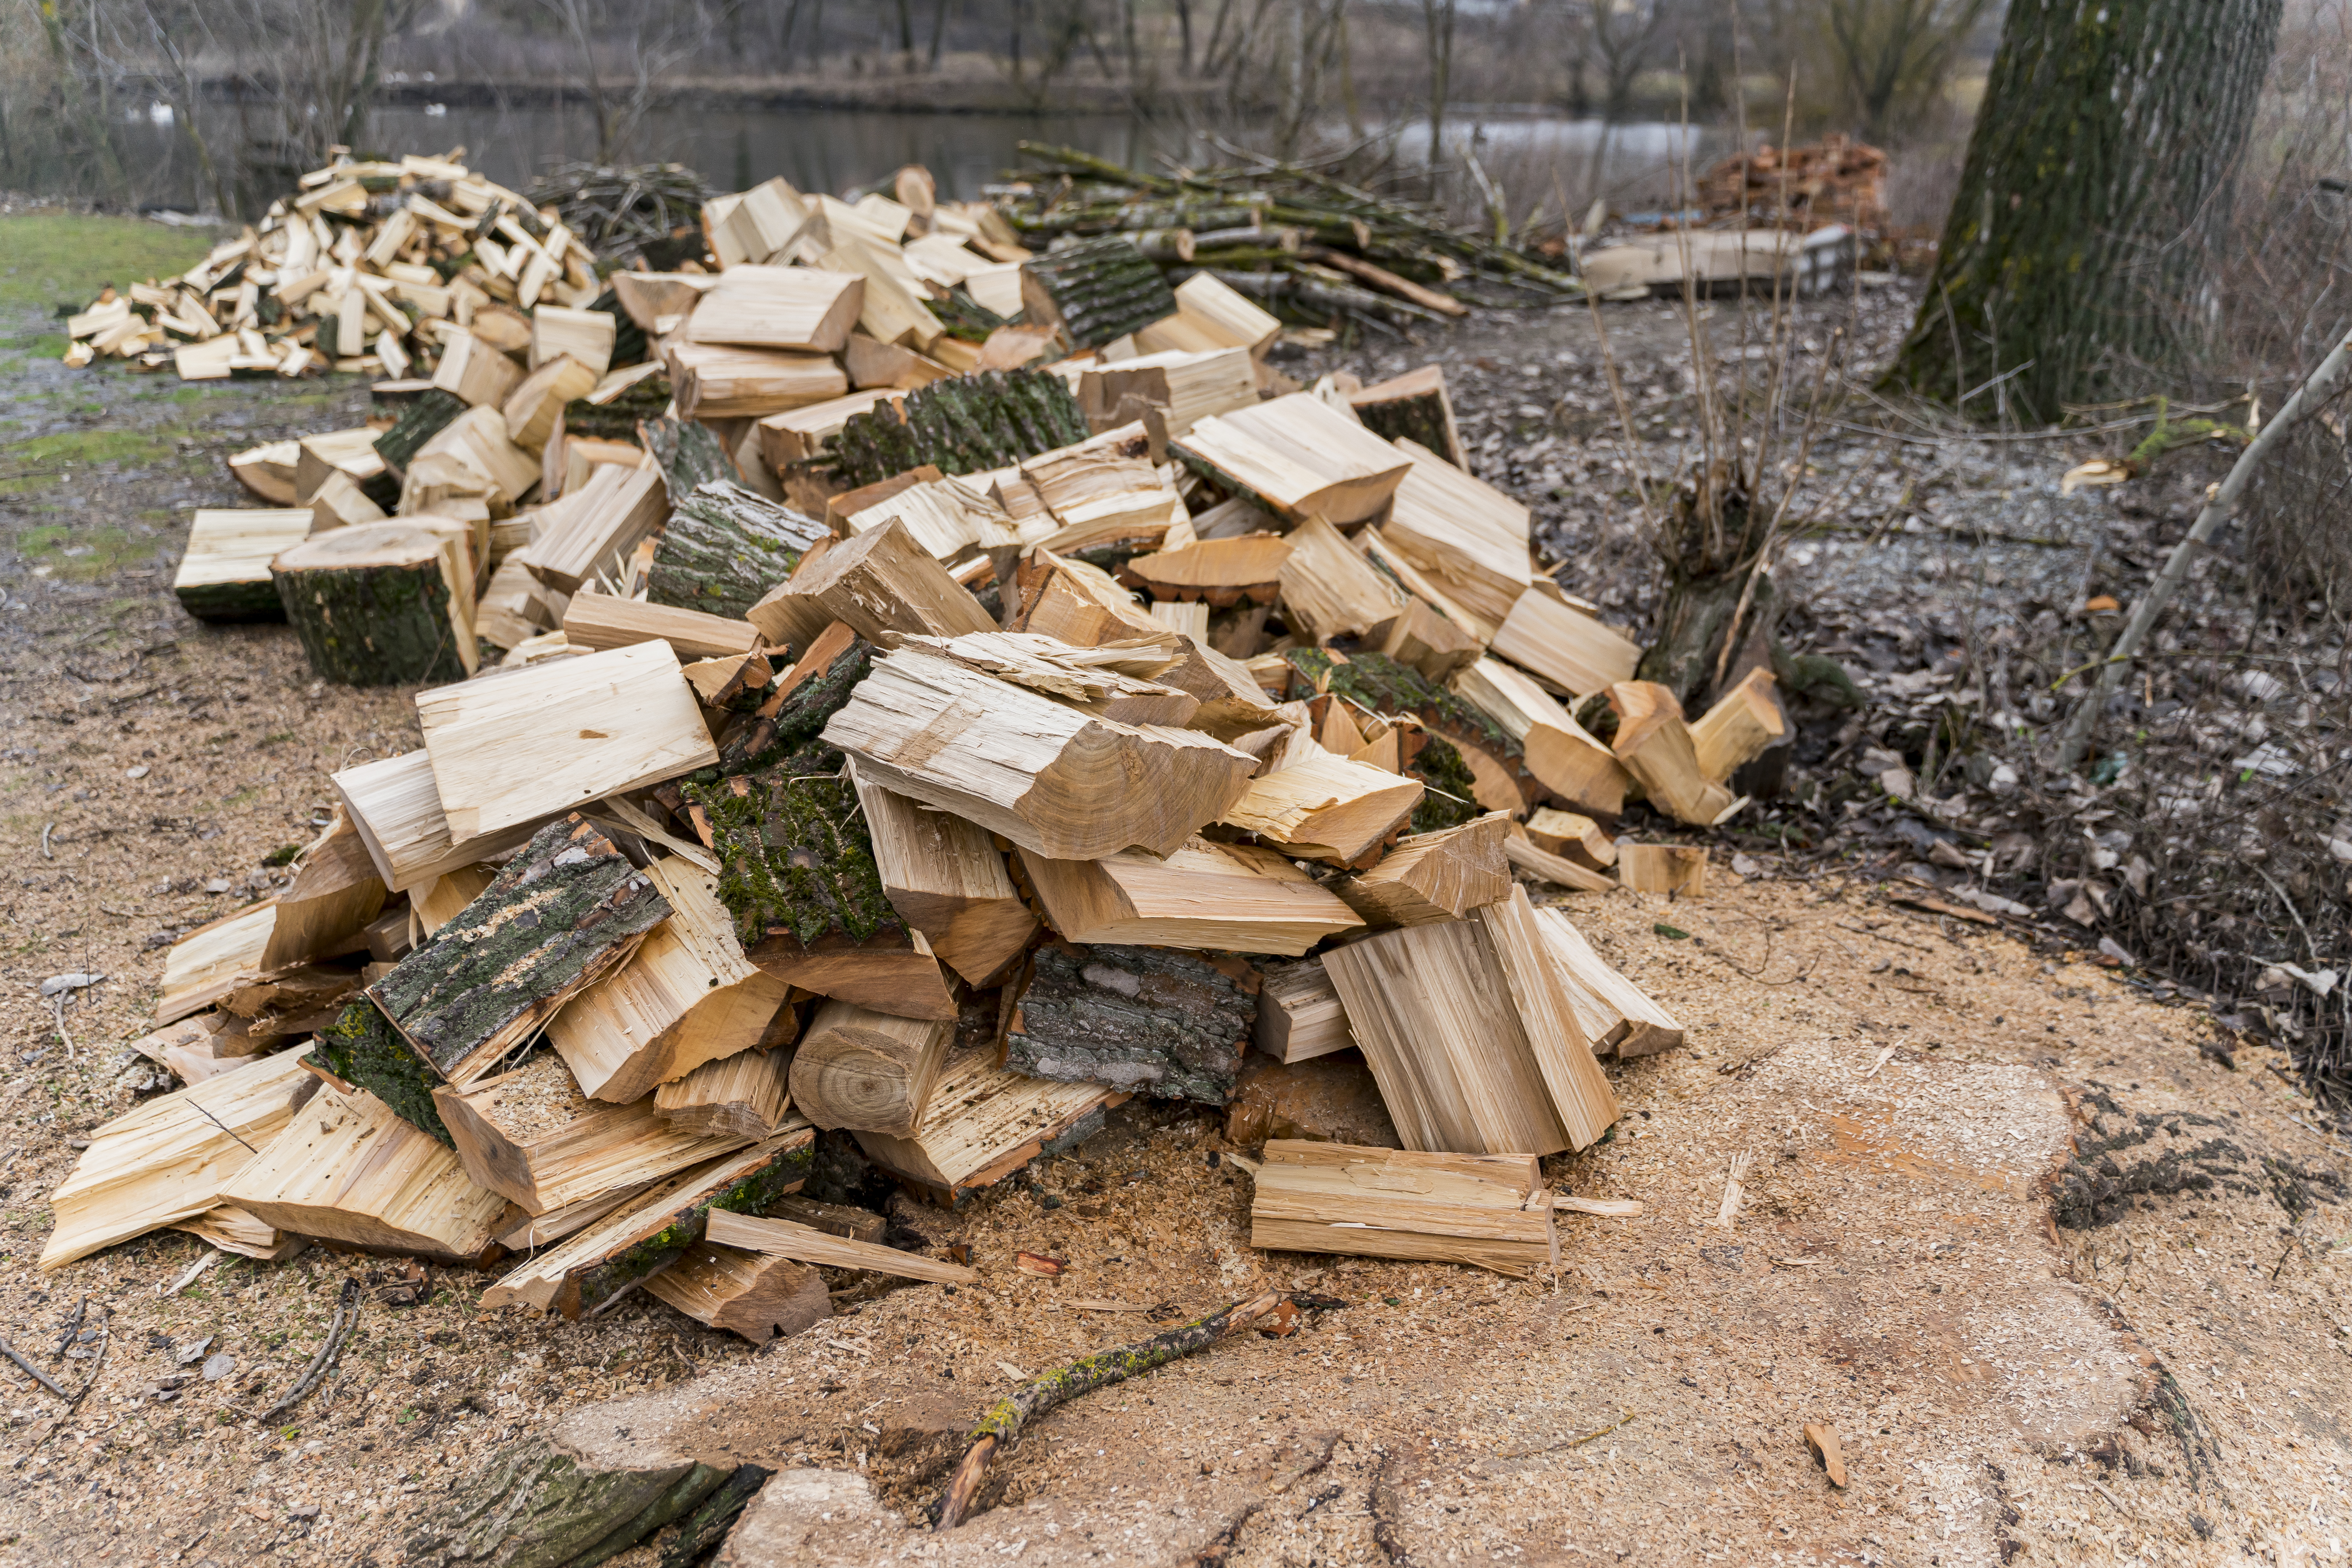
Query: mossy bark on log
pixel 418 423
pixel 688 452
pixel 629 338
pixel 363 1049
pixel 962 426
pixel 1148 1020
pixel 724 547
pixel 1095 290
pixel 387 625
pixel 749 1192
pixel 252 601
pixel 800 716
pixel 618 420
pixel 795 858
pixel 536 1507
pixel 714 1517
pixel 1423 415
pixel 1384 685
pixel 567 909
pixel 677 1499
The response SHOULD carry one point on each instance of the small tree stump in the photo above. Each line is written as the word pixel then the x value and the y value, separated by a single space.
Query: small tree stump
pixel 379 603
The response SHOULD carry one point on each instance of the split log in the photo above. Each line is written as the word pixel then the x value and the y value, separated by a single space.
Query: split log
pixel 590 531
pixel 649 1231
pixel 983 1123
pixel 1412 407
pixel 867 1071
pixel 736 684
pixel 1188 387
pixel 362 1049
pixel 1537 863
pixel 340 502
pixel 223 573
pixel 1464 533
pixel 1211 314
pixel 418 423
pixel 688 452
pixel 1618 1016
pixel 1297 458
pixel 892 311
pixel 1088 680
pixel 743 1096
pixel 267 471
pixel 714 382
pixel 725 548
pixel 951 519
pixel 1329 1098
pixel 1075 602
pixel 1565 759
pixel 799 876
pixel 168 1159
pixel 473 371
pixel 233 1230
pixel 760 1298
pixel 1655 745
pixel 1744 723
pixel 1375 683
pixel 688 996
pixel 532 1136
pixel 319 458
pixel 325 910
pixel 834 1219
pixel 1052 780
pixel 475 442
pixel 892 365
pixel 1328 590
pixel 1144 1020
pixel 1094 291
pixel 380 604
pixel 800 308
pixel 347 1169
pixel 883 582
pixel 788 1239
pixel 602 621
pixel 1488 1211
pixel 1425 641
pixel 1676 869
pixel 1222 572
pixel 535 407
pixel 1564 645
pixel 1573 837
pixel 559 736
pixel 967 425
pixel 396 806
pixel 801 701
pixel 1299 1016
pixel 1325 808
pixel 799 437
pixel 1205 895
pixel 1580 1091
pixel 585 337
pixel 1432 877
pixel 945 876
pixel 562 913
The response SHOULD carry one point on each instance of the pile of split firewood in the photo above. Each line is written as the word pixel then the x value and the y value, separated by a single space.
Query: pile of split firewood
pixel 943 766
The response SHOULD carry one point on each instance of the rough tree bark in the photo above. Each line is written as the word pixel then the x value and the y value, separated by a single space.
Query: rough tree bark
pixel 2096 183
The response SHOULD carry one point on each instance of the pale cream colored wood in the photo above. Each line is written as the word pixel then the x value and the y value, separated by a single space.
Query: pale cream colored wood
pixel 1077 603
pixel 1222 572
pixel 1189 385
pixel 716 382
pixel 1464 533
pixel 984 1122
pixel 232 1229
pixel 236 546
pixel 744 1096
pixel 760 1298
pixel 1205 895
pixel 1426 586
pixel 1565 646
pixel 345 1168
pixel 1431 876
pixel 589 531
pixel 788 1239
pixel 1676 868
pixel 1428 642
pixel 1089 679
pixel 533 407
pixel 1301 459
pixel 1571 836
pixel 1554 868
pixel 868 1072
pixel 1104 466
pixel 687 997
pixel 1326 807
pixel 1654 746
pixel 583 336
pixel 555 736
pixel 1739 727
pixel 1580 1091
pixel 1489 1212
pixel 800 309
pixel 208 962
pixel 1298 1013
pixel 1564 757
pixel 945 876
pixel 1211 314
pixel 477 440
pixel 169 1159
pixel 1617 1016
pixel 472 369
pixel 397 807
pixel 949 519
pixel 890 312
pixel 884 581
pixel 1019 763
pixel 535 1231
pixel 339 502
pixel 319 458
pixel 602 621
pixel 804 435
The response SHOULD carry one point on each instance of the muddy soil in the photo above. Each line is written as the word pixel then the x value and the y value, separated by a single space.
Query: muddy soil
pixel 2065 1274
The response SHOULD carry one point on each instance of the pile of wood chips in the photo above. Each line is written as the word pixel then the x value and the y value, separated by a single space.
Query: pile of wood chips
pixel 1141 712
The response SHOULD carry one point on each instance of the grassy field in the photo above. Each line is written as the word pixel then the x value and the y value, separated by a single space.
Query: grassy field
pixel 57 259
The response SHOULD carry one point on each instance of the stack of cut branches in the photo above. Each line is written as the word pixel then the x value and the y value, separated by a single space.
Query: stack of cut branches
pixel 628 210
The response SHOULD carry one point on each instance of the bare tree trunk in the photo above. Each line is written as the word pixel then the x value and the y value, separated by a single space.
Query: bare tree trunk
pixel 905 39
pixel 183 108
pixel 1438 24
pixel 362 60
pixel 939 31
pixel 1185 37
pixel 91 122
pixel 1216 33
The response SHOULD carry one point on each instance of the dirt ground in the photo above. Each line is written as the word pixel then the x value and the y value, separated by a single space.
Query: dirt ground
pixel 2065 1276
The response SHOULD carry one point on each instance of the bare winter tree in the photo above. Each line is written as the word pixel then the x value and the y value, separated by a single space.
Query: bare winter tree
pixel 1896 53
pixel 1437 21
pixel 653 39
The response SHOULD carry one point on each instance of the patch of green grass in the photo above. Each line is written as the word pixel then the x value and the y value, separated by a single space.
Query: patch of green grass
pixel 54 258
pixel 83 553
pixel 83 447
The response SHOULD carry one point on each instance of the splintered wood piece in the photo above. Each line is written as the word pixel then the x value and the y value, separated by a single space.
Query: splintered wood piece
pixel 169 1159
pixel 1218 897
pixel 380 604
pixel 716 382
pixel 760 1298
pixel 585 336
pixel 1432 1010
pixel 603 621
pixel 559 736
pixel 1549 867
pixel 1051 779
pixel 788 1238
pixel 232 1229
pixel 1579 1089
pixel 1211 314
pixel 1413 406
pixel 339 502
pixel 1375 683
pixel 1740 727
pixel 535 1231
pixel 267 471
pixel 1222 572
pixel 476 441
pixel 532 1136
pixel 1087 678
pixel 1326 807
pixel 949 519
pixel 883 582
pixel 734 682
pixel 1481 1210
pixel 1676 868
pixel 1573 837
pixel 397 807
pixel 1299 458
pixel 589 531
pixel 1565 758
pixel 984 1122
pixel 345 1168
pixel 1466 533
pixel 223 573
pixel 564 913
pixel 1188 387
pixel 645 1232
pixel 947 878
pixel 1076 602
pixel 1823 1442
pixel 213 960
pixel 1140 1019
pixel 743 1096
pixel 1330 589
pixel 1655 745
pixel 800 309
pixel 474 372
pixel 687 997
pixel 1298 1013
pixel 535 407
pixel 1618 1016
pixel 1565 646
pixel 834 1219
pixel 1431 876
pixel 1430 643
pixel 867 1071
